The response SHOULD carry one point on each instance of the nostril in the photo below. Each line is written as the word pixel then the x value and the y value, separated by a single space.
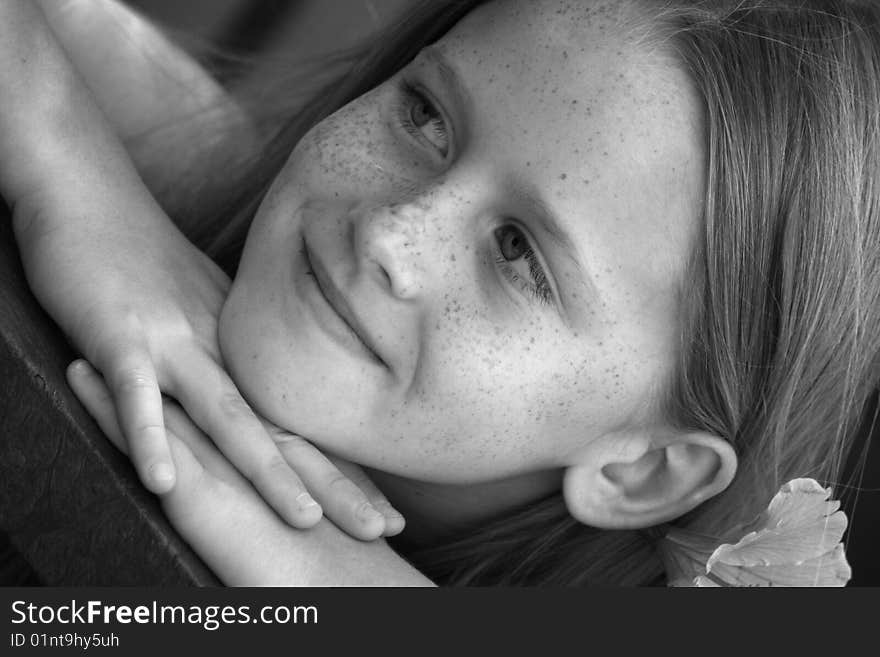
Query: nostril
pixel 385 277
pixel 393 271
pixel 377 257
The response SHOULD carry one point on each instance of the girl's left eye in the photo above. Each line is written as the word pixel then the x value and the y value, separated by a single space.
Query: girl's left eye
pixel 520 264
pixel 420 118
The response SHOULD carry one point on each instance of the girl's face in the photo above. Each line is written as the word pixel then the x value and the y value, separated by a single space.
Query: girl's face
pixel 469 273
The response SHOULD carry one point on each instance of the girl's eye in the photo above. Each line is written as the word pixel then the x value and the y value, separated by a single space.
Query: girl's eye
pixel 519 263
pixel 420 118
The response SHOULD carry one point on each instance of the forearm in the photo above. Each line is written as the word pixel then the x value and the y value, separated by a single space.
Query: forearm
pixel 321 556
pixel 55 143
pixel 76 83
pixel 246 544
pixel 140 79
pixel 168 111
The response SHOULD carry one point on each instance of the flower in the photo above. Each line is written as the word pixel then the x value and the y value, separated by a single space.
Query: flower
pixel 795 542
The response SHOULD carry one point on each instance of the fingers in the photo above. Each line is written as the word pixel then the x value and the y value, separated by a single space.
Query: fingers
pixel 280 465
pixel 192 452
pixel 131 377
pixel 89 388
pixel 211 399
pixel 394 521
pixel 352 506
pixel 181 426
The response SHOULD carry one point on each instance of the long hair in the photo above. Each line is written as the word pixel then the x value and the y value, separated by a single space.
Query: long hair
pixel 780 336
pixel 781 350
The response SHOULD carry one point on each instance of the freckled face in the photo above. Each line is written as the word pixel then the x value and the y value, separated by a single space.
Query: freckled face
pixel 462 281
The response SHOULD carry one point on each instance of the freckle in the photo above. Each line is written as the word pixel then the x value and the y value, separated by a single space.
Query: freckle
pixel 563 176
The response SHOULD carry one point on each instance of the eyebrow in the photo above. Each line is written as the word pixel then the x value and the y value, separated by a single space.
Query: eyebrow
pixel 546 218
pixel 448 74
pixel 549 224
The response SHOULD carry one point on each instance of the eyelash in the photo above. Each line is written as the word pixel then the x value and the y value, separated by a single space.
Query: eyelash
pixel 410 98
pixel 538 287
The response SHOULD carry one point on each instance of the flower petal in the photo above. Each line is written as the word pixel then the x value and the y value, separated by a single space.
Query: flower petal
pixel 799 525
pixel 829 569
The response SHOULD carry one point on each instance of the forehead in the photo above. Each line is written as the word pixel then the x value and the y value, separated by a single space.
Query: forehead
pixel 573 99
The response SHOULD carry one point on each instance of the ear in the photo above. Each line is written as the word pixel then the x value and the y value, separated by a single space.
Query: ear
pixel 636 479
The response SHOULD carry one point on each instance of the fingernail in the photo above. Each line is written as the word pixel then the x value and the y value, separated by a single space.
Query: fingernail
pixel 80 366
pixel 162 473
pixel 305 501
pixel 390 512
pixel 368 513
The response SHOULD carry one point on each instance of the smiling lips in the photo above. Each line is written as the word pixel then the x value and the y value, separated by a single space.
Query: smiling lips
pixel 339 305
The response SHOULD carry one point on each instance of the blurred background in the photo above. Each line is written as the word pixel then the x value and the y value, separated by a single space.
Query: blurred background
pixel 300 27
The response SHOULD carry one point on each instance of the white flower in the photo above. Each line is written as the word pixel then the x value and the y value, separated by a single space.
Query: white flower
pixel 796 542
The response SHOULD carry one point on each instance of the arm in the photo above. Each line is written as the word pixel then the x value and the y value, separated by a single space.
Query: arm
pixel 231 527
pixel 154 95
pixel 51 133
pixel 130 291
pixel 245 543
pixel 138 77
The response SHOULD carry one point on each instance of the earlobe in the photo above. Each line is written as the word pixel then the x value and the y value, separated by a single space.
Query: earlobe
pixel 636 480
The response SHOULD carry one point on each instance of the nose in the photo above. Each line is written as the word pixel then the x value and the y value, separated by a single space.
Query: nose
pixel 402 245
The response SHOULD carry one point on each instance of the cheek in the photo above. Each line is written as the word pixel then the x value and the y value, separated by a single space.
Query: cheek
pixel 503 373
pixel 357 154
pixel 529 383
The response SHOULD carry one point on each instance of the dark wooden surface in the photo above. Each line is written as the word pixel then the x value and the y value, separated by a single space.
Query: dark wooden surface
pixel 69 502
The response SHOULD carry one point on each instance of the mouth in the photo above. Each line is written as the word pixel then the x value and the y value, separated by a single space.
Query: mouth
pixel 352 328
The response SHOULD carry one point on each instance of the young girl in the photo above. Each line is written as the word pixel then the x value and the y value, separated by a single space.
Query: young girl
pixel 578 277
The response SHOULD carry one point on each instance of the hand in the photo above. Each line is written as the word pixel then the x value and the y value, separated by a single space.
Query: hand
pixel 130 291
pixel 141 303
pixel 217 511
pixel 126 286
pixel 344 487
